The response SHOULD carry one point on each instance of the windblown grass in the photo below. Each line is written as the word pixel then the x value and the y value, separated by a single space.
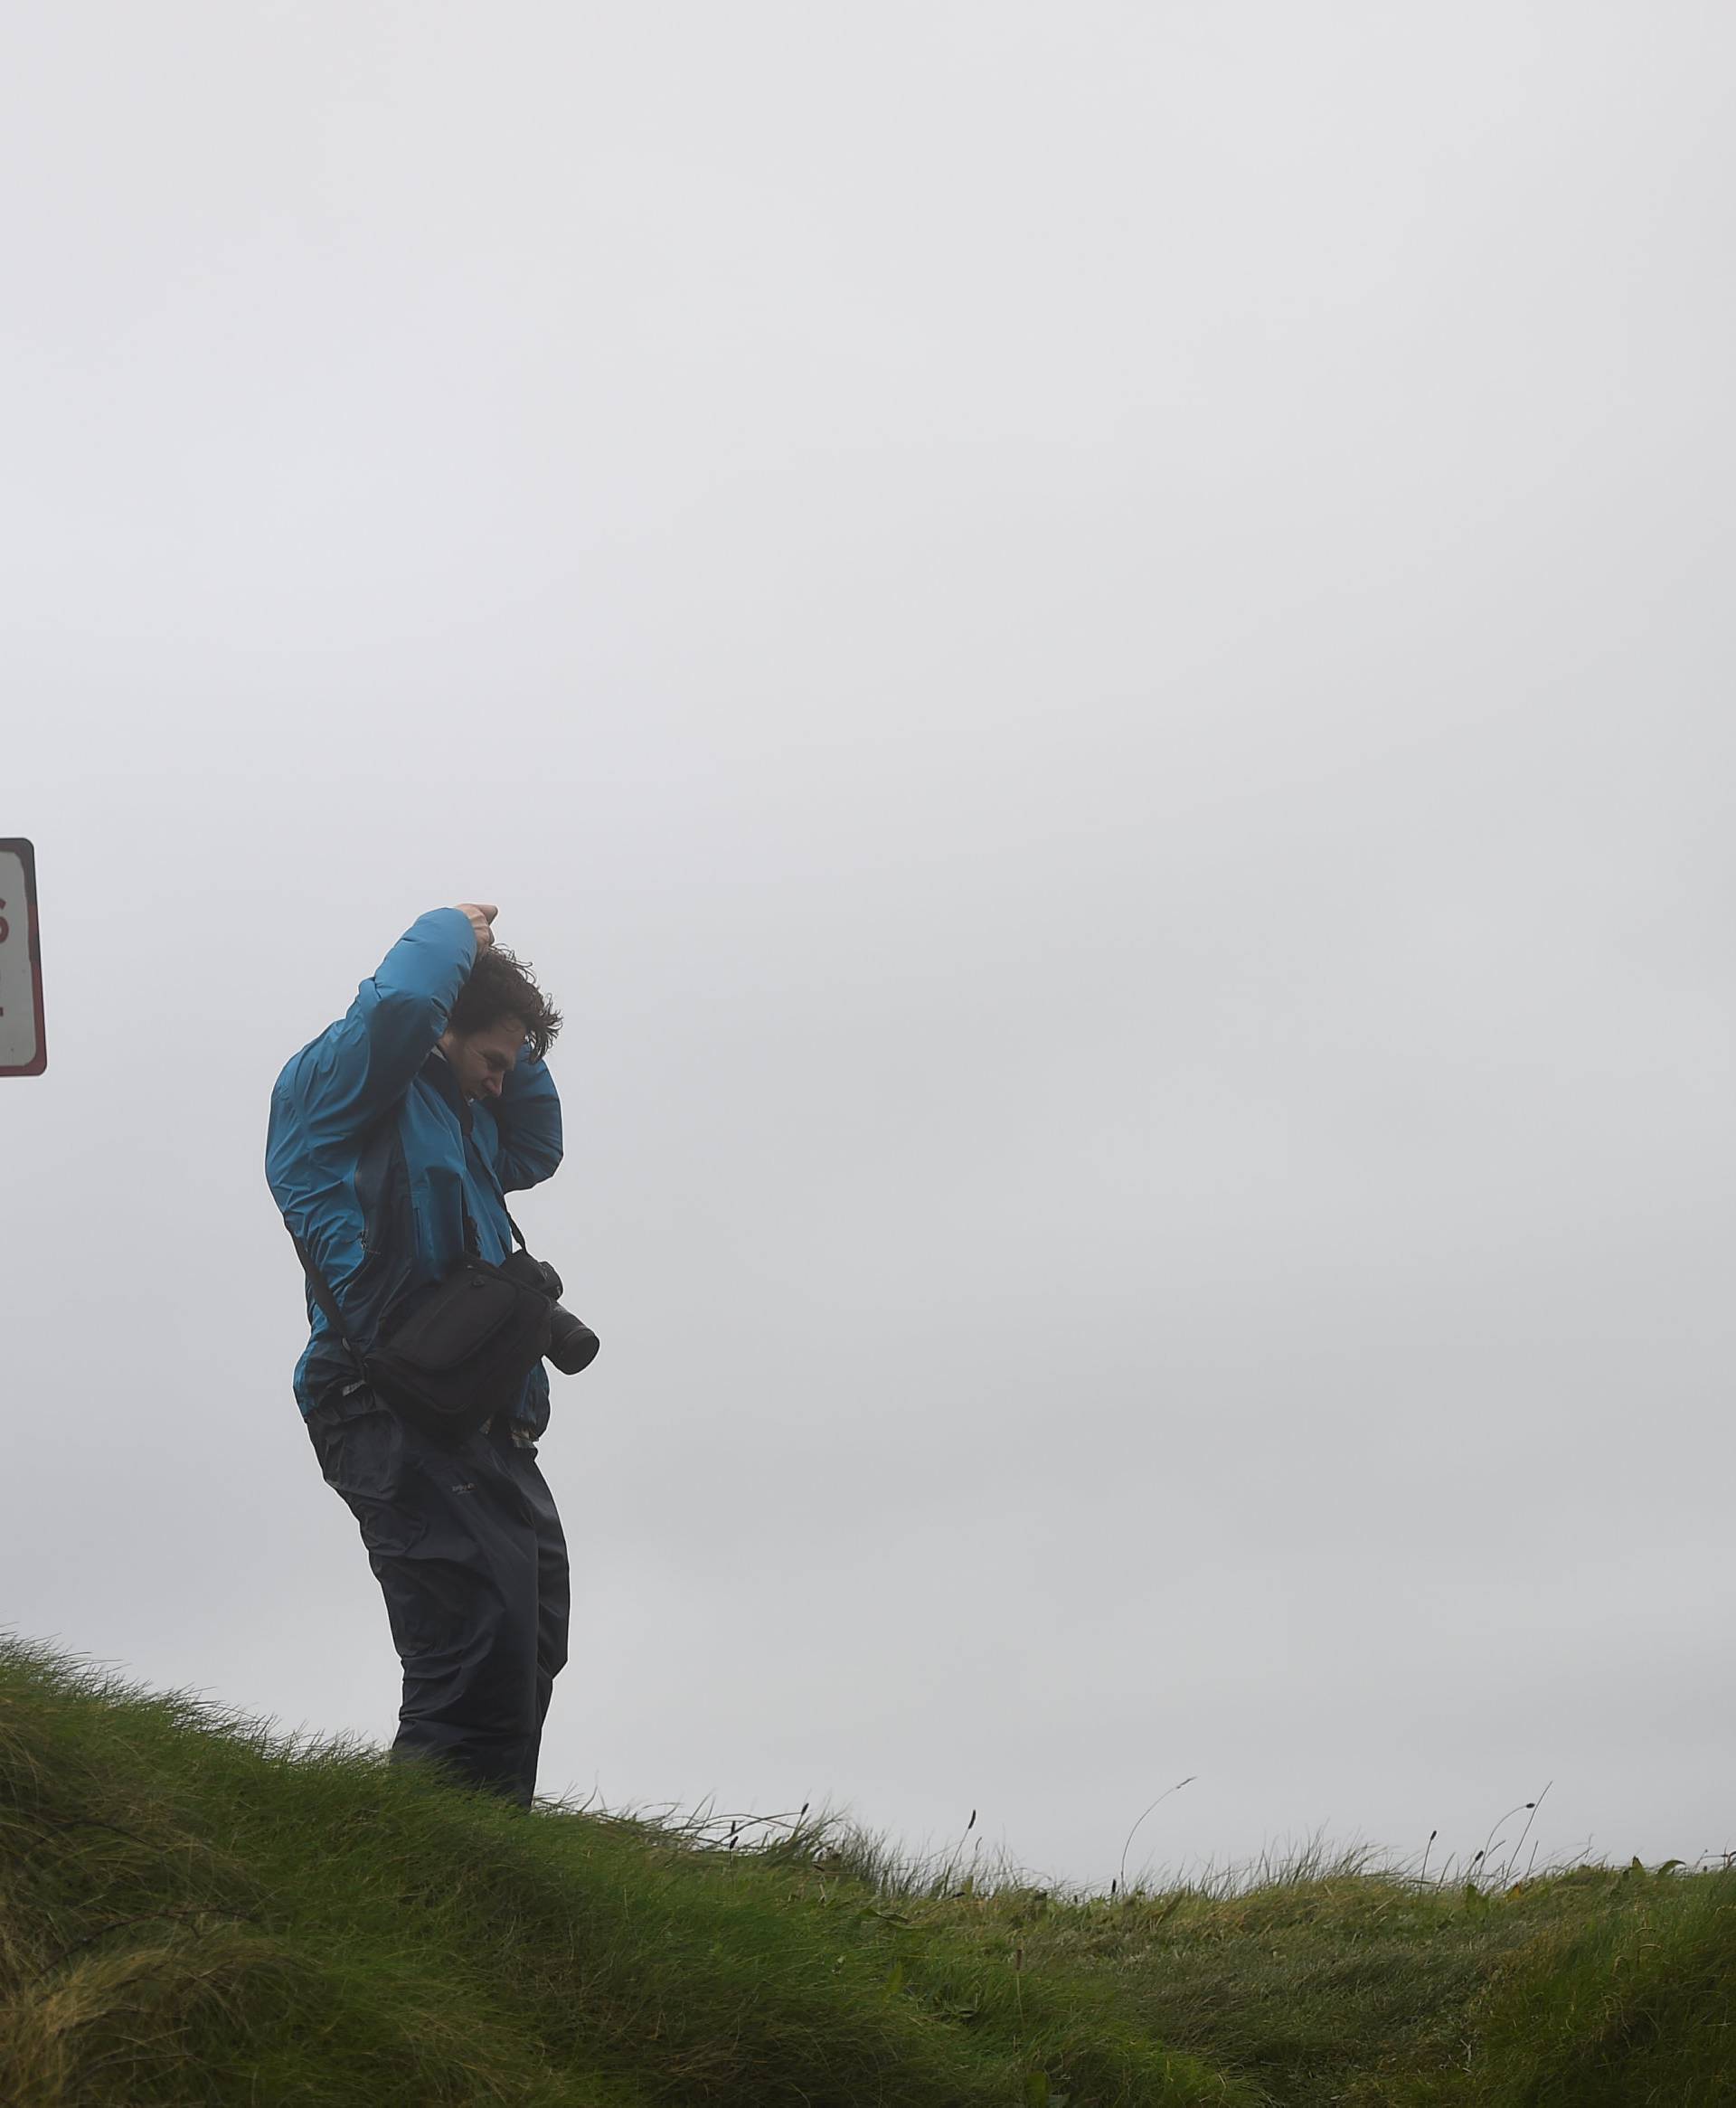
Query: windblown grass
pixel 191 1913
pixel 1329 1977
pixel 194 1911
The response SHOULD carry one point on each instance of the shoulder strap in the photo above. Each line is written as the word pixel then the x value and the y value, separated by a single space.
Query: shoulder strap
pixel 326 1300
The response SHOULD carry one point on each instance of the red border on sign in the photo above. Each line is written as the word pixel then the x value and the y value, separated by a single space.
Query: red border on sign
pixel 26 854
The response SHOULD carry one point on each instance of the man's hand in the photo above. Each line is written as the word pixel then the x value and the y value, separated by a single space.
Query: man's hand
pixel 481 916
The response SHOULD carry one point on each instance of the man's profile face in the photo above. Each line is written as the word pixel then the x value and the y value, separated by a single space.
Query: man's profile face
pixel 482 1061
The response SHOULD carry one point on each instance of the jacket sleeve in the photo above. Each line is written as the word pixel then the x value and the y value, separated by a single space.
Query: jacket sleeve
pixel 527 1116
pixel 353 1071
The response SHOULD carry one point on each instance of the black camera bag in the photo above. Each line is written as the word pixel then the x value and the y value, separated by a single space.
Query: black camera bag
pixel 460 1350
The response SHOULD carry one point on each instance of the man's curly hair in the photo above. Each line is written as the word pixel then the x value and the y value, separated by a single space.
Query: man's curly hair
pixel 501 985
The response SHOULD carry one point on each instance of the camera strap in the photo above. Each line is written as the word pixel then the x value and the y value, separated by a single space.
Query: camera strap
pixel 500 1194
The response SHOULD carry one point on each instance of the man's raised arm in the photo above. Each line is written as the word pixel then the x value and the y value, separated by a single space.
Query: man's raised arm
pixel 365 1063
pixel 527 1115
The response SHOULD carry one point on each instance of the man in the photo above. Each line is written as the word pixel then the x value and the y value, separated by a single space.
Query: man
pixel 394 1138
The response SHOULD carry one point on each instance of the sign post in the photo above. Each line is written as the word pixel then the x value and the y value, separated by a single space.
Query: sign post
pixel 23 1045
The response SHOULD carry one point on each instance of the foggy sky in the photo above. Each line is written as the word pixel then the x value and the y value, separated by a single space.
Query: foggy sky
pixel 1090 645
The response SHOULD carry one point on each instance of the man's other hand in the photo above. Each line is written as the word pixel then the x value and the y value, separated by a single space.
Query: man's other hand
pixel 481 915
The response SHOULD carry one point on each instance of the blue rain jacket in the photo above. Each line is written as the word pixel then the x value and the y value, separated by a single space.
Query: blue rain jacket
pixel 366 1154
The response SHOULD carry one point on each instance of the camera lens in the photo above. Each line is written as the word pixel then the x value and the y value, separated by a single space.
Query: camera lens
pixel 572 1344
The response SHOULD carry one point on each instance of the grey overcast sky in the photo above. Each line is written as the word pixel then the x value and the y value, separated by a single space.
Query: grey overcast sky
pixel 1091 644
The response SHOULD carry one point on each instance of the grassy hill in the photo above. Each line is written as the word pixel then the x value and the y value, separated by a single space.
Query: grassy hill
pixel 193 1912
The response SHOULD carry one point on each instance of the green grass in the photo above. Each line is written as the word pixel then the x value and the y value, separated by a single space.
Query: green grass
pixel 1359 1988
pixel 194 1912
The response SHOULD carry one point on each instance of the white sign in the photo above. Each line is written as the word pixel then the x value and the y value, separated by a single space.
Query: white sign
pixel 23 1050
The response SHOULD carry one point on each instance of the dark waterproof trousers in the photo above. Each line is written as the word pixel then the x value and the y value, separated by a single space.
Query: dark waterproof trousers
pixel 467 1547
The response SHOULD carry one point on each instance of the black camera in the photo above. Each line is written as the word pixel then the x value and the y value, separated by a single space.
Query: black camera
pixel 572 1344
